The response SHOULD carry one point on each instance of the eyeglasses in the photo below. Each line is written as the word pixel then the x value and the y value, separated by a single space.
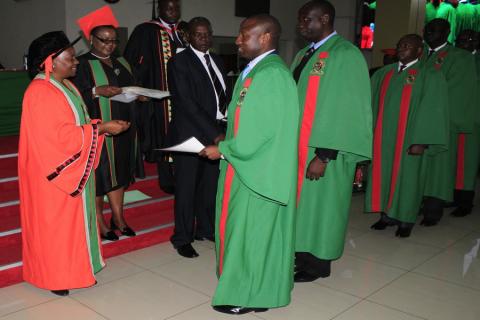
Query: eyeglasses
pixel 107 41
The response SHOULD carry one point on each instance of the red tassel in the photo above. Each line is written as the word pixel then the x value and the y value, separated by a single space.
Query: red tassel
pixel 48 64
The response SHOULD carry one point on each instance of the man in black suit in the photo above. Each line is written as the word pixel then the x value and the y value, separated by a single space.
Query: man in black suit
pixel 196 80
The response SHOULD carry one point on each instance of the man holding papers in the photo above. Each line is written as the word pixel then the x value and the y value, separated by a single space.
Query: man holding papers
pixel 256 196
pixel 197 85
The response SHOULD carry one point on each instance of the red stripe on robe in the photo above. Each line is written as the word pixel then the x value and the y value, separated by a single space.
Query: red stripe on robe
pixel 377 148
pixel 459 183
pixel 401 129
pixel 309 110
pixel 227 188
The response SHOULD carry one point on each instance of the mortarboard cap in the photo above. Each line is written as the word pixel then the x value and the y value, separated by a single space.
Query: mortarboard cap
pixel 44 49
pixel 100 17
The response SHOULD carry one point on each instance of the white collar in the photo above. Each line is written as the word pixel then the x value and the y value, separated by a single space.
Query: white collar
pixel 408 65
pixel 199 53
pixel 165 24
pixel 439 47
pixel 316 45
pixel 252 63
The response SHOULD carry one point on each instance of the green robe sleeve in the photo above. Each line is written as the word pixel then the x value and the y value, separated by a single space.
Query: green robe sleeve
pixel 264 150
pixel 343 116
pixel 431 119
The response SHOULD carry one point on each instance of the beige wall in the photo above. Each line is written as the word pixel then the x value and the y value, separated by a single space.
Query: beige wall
pixel 31 19
pixel 23 21
pixel 394 19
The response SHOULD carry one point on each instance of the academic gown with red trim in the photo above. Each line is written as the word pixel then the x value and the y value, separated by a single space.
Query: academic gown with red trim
pixel 409 108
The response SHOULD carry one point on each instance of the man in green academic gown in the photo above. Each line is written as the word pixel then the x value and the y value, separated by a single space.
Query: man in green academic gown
pixel 256 192
pixel 468 150
pixel 335 133
pixel 458 68
pixel 410 106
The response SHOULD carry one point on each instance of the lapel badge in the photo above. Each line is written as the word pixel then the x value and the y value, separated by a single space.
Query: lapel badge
pixel 243 93
pixel 410 79
pixel 318 68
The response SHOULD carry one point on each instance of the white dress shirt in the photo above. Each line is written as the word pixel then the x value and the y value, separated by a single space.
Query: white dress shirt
pixel 408 65
pixel 200 56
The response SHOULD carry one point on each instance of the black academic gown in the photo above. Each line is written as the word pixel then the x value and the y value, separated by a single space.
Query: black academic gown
pixel 147 53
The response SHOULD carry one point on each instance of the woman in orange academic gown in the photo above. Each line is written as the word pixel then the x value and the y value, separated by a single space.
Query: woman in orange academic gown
pixel 59 149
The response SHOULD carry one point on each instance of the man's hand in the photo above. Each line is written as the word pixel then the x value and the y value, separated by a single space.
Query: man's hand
pixel 316 169
pixel 113 127
pixel 219 138
pixel 416 149
pixel 143 98
pixel 107 91
pixel 210 152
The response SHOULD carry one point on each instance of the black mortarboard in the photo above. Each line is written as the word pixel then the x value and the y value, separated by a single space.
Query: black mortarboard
pixel 46 48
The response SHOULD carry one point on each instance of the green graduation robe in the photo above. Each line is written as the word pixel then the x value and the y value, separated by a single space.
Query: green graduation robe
pixel 409 108
pixel 256 190
pixel 335 113
pixel 468 150
pixel 458 68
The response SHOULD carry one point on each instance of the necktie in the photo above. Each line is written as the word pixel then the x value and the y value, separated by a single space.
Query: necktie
pixel 176 39
pixel 301 65
pixel 402 67
pixel 222 99
pixel 430 52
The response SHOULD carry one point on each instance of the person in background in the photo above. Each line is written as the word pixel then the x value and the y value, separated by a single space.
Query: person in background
pixel 148 50
pixel 196 78
pixel 335 134
pixel 411 123
pixel 100 76
pixel 468 150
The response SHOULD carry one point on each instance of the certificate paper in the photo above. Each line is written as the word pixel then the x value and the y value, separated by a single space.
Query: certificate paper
pixel 151 93
pixel 191 145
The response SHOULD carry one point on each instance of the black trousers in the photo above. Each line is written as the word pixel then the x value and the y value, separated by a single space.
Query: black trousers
pixel 195 192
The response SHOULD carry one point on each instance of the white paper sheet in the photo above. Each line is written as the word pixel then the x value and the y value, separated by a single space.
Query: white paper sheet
pixel 191 145
pixel 124 97
pixel 151 93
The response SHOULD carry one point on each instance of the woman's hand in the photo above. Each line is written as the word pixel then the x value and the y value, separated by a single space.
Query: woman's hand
pixel 113 127
pixel 107 91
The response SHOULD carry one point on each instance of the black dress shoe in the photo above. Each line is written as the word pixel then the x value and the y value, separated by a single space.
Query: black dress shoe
pixel 110 235
pixel 403 231
pixel 303 276
pixel 61 293
pixel 383 223
pixel 237 309
pixel 187 251
pixel 462 211
pixel 127 231
pixel 429 222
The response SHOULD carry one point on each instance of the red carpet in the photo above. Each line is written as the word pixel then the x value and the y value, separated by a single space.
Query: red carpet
pixel 152 219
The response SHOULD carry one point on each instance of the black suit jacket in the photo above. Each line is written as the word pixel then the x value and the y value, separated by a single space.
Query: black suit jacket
pixel 194 104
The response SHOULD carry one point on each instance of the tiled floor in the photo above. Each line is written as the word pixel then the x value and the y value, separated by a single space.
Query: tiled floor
pixel 431 275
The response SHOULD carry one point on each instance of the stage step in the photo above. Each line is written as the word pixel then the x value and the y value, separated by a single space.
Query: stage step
pixel 152 218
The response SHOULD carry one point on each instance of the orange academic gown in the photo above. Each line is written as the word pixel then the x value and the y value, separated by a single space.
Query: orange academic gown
pixel 58 152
